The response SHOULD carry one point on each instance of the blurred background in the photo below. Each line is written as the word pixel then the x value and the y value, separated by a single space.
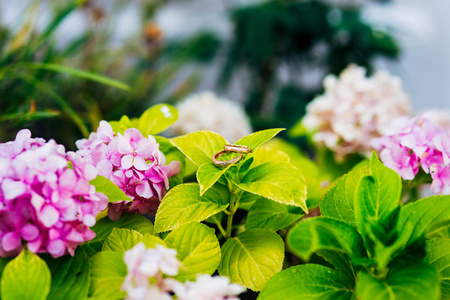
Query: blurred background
pixel 65 64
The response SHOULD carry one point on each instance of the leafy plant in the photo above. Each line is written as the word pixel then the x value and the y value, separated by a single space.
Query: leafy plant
pixel 261 181
pixel 371 245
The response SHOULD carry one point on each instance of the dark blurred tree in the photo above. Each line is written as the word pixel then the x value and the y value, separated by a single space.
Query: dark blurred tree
pixel 277 32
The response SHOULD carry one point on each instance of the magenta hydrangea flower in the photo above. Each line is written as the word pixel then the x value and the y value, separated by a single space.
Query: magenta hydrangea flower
pixel 44 202
pixel 413 143
pixel 134 163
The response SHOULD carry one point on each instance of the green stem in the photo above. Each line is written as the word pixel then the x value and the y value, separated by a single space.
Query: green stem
pixel 230 217
pixel 220 226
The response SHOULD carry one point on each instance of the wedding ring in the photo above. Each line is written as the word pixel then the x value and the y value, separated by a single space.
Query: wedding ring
pixel 224 163
pixel 237 148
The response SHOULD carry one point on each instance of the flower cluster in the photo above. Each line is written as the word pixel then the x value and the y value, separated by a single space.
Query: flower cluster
pixel 414 143
pixel 134 163
pixel 355 109
pixel 205 111
pixel 46 199
pixel 147 278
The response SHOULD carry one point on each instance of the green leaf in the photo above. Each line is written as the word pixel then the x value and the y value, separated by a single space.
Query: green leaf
pixel 183 204
pixel 377 195
pixel 26 277
pixel 157 119
pixel 3 263
pixel 70 276
pixel 277 181
pixel 341 262
pixel 108 271
pixel 426 216
pixel 208 174
pixel 268 214
pixel 121 239
pixel 338 202
pixel 197 248
pixel 267 154
pixel 105 226
pixel 256 139
pixel 107 187
pixel 150 241
pixel 414 282
pixel 307 282
pixel 438 255
pixel 316 234
pixel 199 146
pixel 123 124
pixel 252 258
pixel 81 74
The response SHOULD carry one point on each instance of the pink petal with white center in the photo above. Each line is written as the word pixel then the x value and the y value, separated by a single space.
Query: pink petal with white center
pixel 68 179
pixel 11 241
pixel 89 220
pixel 127 161
pixel 48 216
pixel 140 164
pixel 144 190
pixel 104 168
pixel 56 248
pixel 29 232
pixel 123 145
pixel 12 189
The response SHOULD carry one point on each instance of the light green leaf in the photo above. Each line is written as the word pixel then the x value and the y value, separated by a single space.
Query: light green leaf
pixel 3 263
pixel 277 181
pixel 413 282
pixel 82 74
pixel 306 282
pixel 438 255
pixel 268 214
pixel 150 241
pixel 252 258
pixel 121 239
pixel 256 139
pixel 70 276
pixel 267 154
pixel 197 248
pixel 105 226
pixel 321 233
pixel 208 174
pixel 157 119
pixel 123 124
pixel 377 195
pixel 426 216
pixel 183 204
pixel 338 202
pixel 107 187
pixel 199 146
pixel 26 277
pixel 108 271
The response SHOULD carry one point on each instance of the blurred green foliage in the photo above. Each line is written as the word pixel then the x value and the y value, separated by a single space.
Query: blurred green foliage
pixel 299 33
pixel 63 91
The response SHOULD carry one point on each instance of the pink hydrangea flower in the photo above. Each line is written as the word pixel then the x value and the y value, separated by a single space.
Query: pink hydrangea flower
pixel 44 202
pixel 134 163
pixel 413 143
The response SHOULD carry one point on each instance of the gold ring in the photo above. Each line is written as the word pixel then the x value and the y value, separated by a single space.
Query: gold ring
pixel 224 163
pixel 237 148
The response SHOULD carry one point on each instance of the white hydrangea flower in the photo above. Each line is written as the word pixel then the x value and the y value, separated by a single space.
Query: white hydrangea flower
pixel 206 111
pixel 146 268
pixel 158 260
pixel 208 288
pixel 354 109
